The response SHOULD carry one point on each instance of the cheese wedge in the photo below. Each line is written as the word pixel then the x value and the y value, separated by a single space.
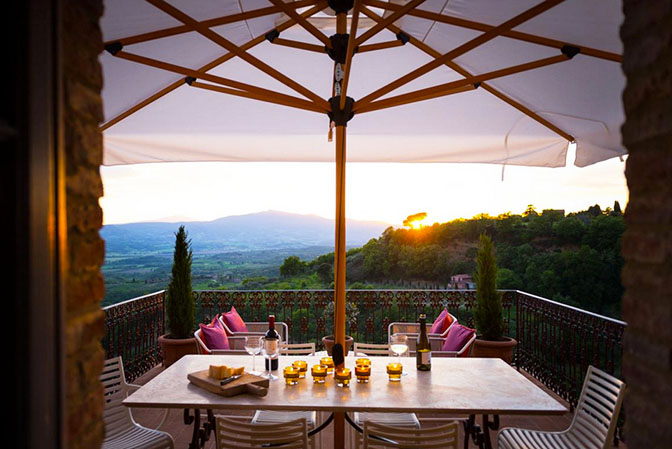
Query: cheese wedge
pixel 238 371
pixel 220 371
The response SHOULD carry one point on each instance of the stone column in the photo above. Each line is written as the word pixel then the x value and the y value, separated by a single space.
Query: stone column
pixel 647 242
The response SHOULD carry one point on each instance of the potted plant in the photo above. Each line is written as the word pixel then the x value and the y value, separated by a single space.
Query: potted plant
pixel 490 341
pixel 179 305
pixel 351 312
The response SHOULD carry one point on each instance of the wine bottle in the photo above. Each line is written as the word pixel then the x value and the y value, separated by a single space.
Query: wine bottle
pixel 423 351
pixel 271 335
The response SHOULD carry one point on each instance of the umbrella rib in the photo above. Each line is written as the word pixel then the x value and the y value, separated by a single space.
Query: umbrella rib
pixel 388 21
pixel 312 29
pixel 380 46
pixel 298 44
pixel 518 35
pixel 253 90
pixel 267 97
pixel 209 66
pixel 350 51
pixel 235 49
pixel 458 86
pixel 232 18
pixel 462 49
pixel 457 68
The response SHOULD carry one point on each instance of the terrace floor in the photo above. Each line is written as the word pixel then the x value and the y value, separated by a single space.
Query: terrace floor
pixel 182 433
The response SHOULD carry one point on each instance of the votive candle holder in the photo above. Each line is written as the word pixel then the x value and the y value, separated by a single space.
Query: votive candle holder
pixel 291 375
pixel 302 366
pixel 363 361
pixel 329 363
pixel 319 373
pixel 342 377
pixel 363 373
pixel 394 371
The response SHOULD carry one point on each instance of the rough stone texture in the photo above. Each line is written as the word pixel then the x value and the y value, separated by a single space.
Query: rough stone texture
pixel 647 242
pixel 85 288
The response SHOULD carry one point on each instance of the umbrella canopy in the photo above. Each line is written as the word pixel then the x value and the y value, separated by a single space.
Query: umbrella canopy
pixel 491 81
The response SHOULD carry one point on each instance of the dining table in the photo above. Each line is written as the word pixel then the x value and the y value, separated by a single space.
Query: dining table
pixel 464 387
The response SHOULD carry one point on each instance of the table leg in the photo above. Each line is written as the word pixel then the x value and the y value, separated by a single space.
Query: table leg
pixel 200 434
pixel 480 435
pixel 339 430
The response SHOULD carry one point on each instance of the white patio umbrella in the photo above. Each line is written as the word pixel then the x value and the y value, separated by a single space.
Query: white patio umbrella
pixel 490 81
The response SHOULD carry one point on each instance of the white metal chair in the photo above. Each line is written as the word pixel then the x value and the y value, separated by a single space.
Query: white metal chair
pixel 270 416
pixel 406 420
pixel 413 330
pixel 121 431
pixel 233 434
pixel 444 437
pixel 258 328
pixel 594 420
pixel 297 349
pixel 437 345
pixel 236 344
pixel 361 349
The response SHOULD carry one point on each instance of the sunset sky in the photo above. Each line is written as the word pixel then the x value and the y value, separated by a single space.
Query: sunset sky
pixel 387 192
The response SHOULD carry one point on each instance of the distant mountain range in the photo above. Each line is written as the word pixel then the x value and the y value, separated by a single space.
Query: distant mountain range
pixel 259 231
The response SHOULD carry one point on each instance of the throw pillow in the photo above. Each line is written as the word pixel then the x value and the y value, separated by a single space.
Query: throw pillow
pixel 457 337
pixel 233 321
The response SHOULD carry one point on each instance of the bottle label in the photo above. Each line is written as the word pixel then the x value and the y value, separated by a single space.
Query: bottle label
pixel 425 358
pixel 271 346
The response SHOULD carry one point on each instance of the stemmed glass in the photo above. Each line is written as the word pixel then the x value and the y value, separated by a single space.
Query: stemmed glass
pixel 399 345
pixel 253 347
pixel 270 349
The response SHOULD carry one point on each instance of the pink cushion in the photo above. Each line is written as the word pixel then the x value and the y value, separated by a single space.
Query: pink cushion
pixel 457 337
pixel 233 321
pixel 213 335
pixel 437 327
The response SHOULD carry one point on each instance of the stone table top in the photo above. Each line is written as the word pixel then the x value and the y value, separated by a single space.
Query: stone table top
pixel 454 385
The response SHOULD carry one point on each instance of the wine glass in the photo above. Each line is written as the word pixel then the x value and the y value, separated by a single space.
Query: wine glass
pixel 399 345
pixel 269 349
pixel 253 347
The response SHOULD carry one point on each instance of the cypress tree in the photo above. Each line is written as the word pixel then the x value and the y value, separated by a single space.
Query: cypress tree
pixel 488 310
pixel 180 302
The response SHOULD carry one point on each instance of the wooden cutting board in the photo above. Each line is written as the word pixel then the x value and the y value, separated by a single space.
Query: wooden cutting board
pixel 247 383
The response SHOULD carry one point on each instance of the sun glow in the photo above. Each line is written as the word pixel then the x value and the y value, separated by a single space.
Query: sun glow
pixel 416 221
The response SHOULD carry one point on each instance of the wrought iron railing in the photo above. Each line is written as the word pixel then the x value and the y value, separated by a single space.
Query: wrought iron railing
pixel 556 342
pixel 133 329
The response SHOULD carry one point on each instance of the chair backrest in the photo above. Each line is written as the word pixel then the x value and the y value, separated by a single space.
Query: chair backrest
pixel 259 328
pixel 371 349
pixel 202 348
pixel 117 416
pixel 444 436
pixel 596 413
pixel 297 349
pixel 437 344
pixel 236 345
pixel 233 434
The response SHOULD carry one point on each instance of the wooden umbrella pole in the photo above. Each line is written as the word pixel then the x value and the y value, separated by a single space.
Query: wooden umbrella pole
pixel 339 261
pixel 339 250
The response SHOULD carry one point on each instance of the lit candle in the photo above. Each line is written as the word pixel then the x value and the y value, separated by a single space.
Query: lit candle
pixel 291 375
pixel 329 363
pixel 319 373
pixel 302 366
pixel 394 370
pixel 363 372
pixel 342 377
pixel 363 362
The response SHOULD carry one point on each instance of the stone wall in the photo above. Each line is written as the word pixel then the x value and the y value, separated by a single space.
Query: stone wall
pixel 647 242
pixel 85 289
